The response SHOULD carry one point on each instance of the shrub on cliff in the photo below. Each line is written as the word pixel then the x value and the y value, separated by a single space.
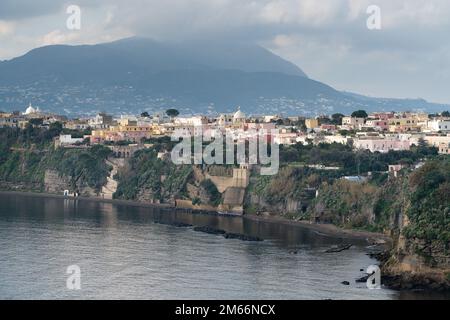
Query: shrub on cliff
pixel 82 166
pixel 213 194
pixel 346 204
pixel 146 173
pixel 429 211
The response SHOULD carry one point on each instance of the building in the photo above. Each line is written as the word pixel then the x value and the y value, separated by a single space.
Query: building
pixel 395 169
pixel 239 117
pixel 405 123
pixel 31 110
pixel 355 179
pixel 224 120
pixel 286 138
pixel 12 122
pixel 380 144
pixel 67 140
pixel 436 140
pixel 382 115
pixel 101 121
pixel 77 124
pixel 192 121
pixel 312 123
pixel 353 122
pixel 444 148
pixel 439 125
pixel 377 124
pixel 336 139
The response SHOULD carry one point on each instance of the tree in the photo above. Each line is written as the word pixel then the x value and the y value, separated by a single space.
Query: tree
pixel 359 114
pixel 337 118
pixel 145 114
pixel 324 120
pixel 36 121
pixel 446 114
pixel 172 113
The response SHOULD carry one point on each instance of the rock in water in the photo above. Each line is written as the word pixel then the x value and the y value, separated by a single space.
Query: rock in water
pixel 242 237
pixel 339 248
pixel 210 230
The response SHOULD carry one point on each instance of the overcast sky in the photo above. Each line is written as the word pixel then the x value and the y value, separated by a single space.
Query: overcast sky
pixel 328 39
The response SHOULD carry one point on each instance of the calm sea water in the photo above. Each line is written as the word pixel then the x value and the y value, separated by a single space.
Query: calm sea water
pixel 125 252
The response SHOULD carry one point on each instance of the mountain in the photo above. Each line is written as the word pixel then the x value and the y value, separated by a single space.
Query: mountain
pixel 136 74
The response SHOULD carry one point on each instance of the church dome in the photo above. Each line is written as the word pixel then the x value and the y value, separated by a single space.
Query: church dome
pixel 30 110
pixel 239 115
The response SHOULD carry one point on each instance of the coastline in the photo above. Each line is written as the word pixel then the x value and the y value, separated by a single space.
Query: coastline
pixel 322 229
pixel 398 281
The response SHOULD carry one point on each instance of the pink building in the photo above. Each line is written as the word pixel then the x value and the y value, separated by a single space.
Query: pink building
pixel 377 124
pixel 382 115
pixel 328 127
pixel 381 145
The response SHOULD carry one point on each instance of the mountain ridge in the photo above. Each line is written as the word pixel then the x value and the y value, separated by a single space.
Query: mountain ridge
pixel 135 74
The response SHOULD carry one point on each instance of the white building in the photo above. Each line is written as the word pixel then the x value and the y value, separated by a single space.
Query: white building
pixel 31 110
pixel 101 121
pixel 439 125
pixel 192 121
pixel 239 117
pixel 335 139
pixel 67 140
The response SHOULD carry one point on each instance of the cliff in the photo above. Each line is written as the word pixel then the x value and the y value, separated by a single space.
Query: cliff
pixel 414 209
pixel 29 165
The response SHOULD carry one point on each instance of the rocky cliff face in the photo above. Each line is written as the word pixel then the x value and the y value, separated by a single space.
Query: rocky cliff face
pixel 56 183
pixel 414 209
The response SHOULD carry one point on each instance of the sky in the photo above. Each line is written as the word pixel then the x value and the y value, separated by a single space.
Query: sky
pixel 409 57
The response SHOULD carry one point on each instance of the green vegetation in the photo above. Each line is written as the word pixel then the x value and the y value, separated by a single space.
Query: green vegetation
pixel 26 154
pixel 172 113
pixel 422 195
pixel 83 166
pixel 144 172
pixel 212 192
pixel 360 114
pixel 350 162
pixel 429 210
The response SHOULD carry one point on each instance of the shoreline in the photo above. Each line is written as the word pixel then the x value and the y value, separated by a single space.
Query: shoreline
pixel 321 229
pixel 396 281
pixel 328 229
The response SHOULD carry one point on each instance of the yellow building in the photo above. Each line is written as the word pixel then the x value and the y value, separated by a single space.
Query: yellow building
pixel 312 123
pixel 404 124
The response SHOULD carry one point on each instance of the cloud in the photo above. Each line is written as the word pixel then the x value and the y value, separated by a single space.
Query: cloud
pixel 6 28
pixel 327 38
pixel 59 37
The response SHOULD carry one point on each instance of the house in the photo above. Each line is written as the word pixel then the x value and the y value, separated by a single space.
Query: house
pixel 444 148
pixel 67 140
pixel 395 169
pixel 353 122
pixel 377 124
pixel 286 138
pixel 436 140
pixel 77 124
pixel 311 123
pixel 356 179
pixel 101 121
pixel 380 144
pixel 439 125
